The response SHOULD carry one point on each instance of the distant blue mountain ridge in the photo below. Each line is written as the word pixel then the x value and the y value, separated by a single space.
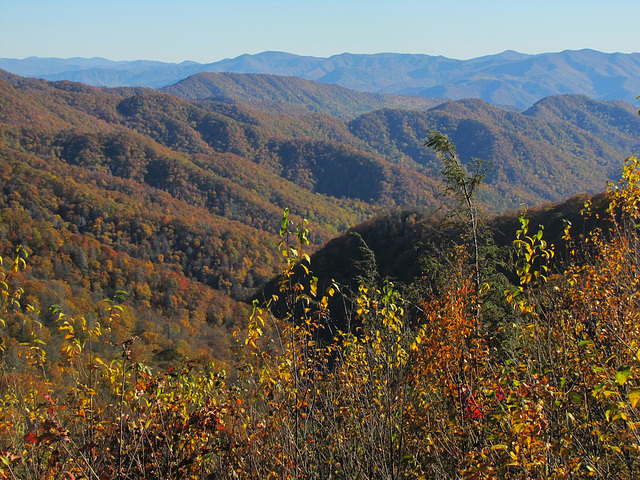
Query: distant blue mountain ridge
pixel 507 78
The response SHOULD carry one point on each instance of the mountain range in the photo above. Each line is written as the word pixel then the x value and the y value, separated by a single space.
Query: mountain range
pixel 165 255
pixel 509 78
pixel 177 197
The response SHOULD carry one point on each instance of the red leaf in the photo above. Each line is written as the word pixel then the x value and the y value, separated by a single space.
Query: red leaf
pixel 31 438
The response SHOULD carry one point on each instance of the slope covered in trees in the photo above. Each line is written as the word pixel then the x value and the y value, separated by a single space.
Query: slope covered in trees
pixel 418 345
pixel 289 94
pixel 438 381
pixel 178 202
pixel 537 155
pixel 103 208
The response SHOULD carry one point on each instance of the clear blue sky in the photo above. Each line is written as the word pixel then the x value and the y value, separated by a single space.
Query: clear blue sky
pixel 210 30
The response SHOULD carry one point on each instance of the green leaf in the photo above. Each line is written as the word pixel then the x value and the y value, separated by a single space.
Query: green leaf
pixel 622 374
pixel 284 223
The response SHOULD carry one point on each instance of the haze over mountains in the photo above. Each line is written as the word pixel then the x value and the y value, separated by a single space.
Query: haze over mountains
pixel 508 78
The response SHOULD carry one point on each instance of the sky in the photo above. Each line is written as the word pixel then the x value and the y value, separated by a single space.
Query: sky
pixel 211 30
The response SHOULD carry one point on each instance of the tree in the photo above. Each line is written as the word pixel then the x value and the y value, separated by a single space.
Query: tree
pixel 462 186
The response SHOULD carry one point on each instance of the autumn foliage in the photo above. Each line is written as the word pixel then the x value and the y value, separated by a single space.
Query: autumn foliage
pixel 434 388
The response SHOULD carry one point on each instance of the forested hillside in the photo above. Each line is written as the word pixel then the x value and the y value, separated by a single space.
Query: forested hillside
pixel 538 155
pixel 178 202
pixel 289 94
pixel 505 368
pixel 399 328
pixel 103 208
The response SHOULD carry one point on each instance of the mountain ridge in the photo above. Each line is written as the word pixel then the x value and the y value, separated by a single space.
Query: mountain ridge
pixel 274 91
pixel 507 78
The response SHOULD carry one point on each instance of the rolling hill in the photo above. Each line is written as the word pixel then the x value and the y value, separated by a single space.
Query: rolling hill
pixel 554 150
pixel 289 94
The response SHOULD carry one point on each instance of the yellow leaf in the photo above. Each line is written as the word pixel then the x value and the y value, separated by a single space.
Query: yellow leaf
pixel 623 374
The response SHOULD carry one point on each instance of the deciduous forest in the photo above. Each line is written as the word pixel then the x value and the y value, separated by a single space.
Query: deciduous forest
pixel 199 290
